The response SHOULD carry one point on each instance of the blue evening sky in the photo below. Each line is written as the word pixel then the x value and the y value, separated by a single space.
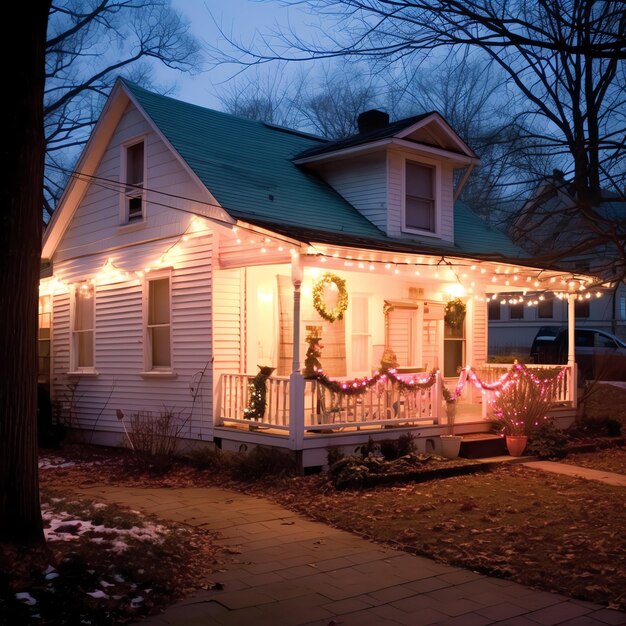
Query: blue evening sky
pixel 245 20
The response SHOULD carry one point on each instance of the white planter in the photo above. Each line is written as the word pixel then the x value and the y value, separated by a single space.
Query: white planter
pixel 450 445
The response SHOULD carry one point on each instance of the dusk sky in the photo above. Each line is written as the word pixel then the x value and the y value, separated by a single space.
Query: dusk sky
pixel 245 19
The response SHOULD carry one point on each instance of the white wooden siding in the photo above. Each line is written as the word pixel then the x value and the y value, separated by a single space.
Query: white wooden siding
pixel 228 324
pixel 362 182
pixel 95 225
pixel 119 356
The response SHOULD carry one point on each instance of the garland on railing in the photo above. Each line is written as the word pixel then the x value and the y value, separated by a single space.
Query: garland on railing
pixel 552 375
pixel 360 385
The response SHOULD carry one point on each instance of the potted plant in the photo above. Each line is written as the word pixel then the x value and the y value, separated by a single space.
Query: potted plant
pixel 450 443
pixel 522 405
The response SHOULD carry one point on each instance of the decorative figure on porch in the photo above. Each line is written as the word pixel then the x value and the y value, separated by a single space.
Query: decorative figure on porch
pixel 333 282
pixel 389 360
pixel 257 393
pixel 312 361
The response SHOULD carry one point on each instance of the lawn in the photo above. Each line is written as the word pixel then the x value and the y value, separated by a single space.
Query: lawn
pixel 543 530
pixel 548 531
pixel 102 565
pixel 611 460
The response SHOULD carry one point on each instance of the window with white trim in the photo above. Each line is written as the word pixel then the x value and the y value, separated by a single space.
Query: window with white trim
pixel 134 182
pixel 419 207
pixel 44 338
pixel 158 344
pixel 83 327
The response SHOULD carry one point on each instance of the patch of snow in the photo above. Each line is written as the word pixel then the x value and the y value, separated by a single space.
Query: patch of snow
pixel 99 594
pixel 50 569
pixel 105 584
pixel 26 598
pixel 135 603
pixel 52 575
pixel 54 462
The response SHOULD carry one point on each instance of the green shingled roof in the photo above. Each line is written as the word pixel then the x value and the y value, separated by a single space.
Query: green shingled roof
pixel 247 166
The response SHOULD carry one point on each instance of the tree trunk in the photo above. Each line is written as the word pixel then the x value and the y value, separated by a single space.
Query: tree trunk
pixel 20 250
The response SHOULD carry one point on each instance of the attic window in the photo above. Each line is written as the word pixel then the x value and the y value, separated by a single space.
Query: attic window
pixel 419 211
pixel 135 165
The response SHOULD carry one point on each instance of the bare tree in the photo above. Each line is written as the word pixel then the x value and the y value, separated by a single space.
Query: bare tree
pixel 20 244
pixel 91 42
pixel 564 66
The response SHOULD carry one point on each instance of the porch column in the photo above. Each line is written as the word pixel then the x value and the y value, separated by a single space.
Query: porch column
pixel 571 348
pixel 296 380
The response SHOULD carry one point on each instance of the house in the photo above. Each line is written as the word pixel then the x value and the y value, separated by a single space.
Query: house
pixel 548 224
pixel 200 261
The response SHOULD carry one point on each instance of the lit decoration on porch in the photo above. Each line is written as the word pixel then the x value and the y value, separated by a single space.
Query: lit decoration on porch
pixel 389 360
pixel 334 282
pixel 359 386
pixel 455 312
pixel 312 361
pixel 257 393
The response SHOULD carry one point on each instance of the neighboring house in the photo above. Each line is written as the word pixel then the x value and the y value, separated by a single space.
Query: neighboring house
pixel 546 225
pixel 191 246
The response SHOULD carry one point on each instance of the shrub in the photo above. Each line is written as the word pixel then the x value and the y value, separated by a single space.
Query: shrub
pixel 595 427
pixel 393 449
pixel 262 462
pixel 333 455
pixel 208 457
pixel 153 438
pixel 547 441
pixel 349 473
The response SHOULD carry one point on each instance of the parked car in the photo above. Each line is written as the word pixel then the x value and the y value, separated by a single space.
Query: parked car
pixel 599 354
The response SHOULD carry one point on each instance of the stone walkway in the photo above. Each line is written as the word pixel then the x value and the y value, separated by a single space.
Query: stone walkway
pixel 288 570
pixel 610 478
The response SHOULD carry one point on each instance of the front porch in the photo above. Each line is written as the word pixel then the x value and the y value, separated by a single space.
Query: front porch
pixel 398 322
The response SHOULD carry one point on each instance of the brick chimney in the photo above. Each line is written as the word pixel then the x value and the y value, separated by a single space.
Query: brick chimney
pixel 372 120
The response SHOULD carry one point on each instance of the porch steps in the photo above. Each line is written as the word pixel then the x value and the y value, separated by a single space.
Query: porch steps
pixel 482 445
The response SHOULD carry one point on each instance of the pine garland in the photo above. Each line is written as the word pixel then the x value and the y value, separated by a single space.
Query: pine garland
pixel 455 313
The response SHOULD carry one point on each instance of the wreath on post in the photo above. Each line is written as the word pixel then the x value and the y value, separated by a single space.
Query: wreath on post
pixel 337 312
pixel 455 313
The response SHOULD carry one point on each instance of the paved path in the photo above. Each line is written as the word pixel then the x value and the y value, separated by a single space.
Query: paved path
pixel 610 478
pixel 289 570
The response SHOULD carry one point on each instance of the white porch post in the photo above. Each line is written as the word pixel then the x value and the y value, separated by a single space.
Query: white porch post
pixel 296 381
pixel 571 348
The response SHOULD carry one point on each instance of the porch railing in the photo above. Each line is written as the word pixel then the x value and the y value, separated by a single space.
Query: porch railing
pixel 382 404
pixel 564 392
pixel 235 395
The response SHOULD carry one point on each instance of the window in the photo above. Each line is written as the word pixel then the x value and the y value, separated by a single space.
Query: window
pixel 419 208
pixel 453 349
pixel 581 308
pixel 494 310
pixel 603 341
pixel 516 311
pixel 43 336
pixel 83 325
pixel 134 194
pixel 545 310
pixel 158 353
pixel 360 334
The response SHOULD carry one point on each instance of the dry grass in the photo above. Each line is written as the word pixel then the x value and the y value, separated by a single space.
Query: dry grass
pixel 103 565
pixel 611 460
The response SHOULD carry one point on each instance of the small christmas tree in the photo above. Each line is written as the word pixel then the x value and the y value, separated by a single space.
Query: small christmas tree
pixel 312 361
pixel 257 393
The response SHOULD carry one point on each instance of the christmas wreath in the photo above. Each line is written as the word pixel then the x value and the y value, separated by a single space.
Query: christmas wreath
pixel 337 312
pixel 455 313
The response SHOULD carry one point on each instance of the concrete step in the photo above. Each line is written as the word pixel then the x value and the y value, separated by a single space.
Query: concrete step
pixel 482 445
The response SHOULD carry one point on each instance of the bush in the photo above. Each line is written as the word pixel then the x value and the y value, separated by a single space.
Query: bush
pixel 547 441
pixel 333 455
pixel 349 473
pixel 262 462
pixel 393 449
pixel 208 457
pixel 595 427
pixel 153 438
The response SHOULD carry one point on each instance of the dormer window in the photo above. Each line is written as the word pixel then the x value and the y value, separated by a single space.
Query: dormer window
pixel 419 208
pixel 134 182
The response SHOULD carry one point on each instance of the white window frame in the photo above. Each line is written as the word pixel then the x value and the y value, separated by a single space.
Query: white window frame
pixel 74 367
pixel 436 166
pixel 149 369
pixel 127 194
pixel 40 340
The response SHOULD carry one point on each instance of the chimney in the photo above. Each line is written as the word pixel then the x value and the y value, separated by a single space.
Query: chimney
pixel 372 120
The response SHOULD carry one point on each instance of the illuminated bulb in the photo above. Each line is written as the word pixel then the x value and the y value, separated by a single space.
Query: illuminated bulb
pixel 185 237
pixel 598 294
pixel 372 268
pixel 268 240
pixel 473 267
pixel 387 266
pixel 553 280
pixel 263 249
pixel 536 283
pixel 322 260
pixel 494 280
pixel 396 271
pixel 483 270
pixel 252 241
pixel 417 272
pixel 239 241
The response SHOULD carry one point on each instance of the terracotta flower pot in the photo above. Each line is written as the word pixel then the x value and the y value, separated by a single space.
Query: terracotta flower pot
pixel 516 444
